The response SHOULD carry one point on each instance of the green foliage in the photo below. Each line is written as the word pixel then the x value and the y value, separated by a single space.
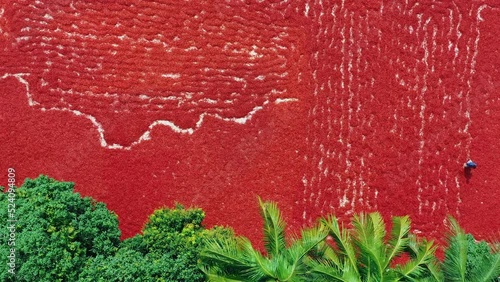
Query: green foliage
pixel 56 231
pixel 364 254
pixel 480 259
pixel 125 265
pixel 167 250
pixel 468 260
pixel 130 265
pixel 60 236
pixel 174 231
pixel 235 259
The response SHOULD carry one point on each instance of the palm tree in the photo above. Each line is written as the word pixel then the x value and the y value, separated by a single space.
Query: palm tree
pixel 235 259
pixel 364 254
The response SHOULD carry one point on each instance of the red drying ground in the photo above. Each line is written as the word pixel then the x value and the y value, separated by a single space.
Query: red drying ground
pixel 324 106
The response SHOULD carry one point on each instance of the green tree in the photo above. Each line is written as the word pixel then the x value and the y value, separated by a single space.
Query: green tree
pixel 167 250
pixel 56 231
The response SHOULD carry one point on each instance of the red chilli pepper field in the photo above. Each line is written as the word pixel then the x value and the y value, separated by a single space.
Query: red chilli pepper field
pixel 323 106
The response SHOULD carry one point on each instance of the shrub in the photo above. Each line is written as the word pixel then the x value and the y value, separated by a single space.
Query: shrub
pixel 125 265
pixel 167 250
pixel 61 236
pixel 56 231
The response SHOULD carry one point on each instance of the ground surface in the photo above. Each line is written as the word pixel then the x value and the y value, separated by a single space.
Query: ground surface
pixel 324 106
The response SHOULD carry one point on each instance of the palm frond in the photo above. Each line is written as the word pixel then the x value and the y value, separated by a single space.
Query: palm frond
pixel 274 228
pixel 296 254
pixel 398 241
pixel 343 242
pixel 423 262
pixel 369 238
pixel 330 271
pixel 351 274
pixel 310 238
pixel 455 262
pixel 426 279
pixel 326 272
pixel 214 275
pixel 224 251
pixel 263 268
pixel 435 273
pixel 330 255
pixel 325 265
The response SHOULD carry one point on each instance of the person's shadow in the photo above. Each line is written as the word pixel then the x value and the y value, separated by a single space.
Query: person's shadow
pixel 468 174
pixel 468 167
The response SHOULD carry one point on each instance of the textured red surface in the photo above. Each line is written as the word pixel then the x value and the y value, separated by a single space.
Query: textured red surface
pixel 324 106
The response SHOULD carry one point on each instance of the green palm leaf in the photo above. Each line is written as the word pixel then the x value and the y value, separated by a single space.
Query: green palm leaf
pixel 324 271
pixel 213 277
pixel 258 267
pixel 343 243
pixel 369 238
pixel 225 252
pixel 236 259
pixel 398 242
pixel 274 228
pixel 328 271
pixel 454 266
pixel 423 263
pixel 298 251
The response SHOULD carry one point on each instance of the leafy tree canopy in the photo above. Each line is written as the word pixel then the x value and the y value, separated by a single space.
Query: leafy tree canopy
pixel 56 231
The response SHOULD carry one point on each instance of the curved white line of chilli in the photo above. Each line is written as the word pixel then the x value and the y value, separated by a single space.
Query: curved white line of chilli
pixel 147 134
